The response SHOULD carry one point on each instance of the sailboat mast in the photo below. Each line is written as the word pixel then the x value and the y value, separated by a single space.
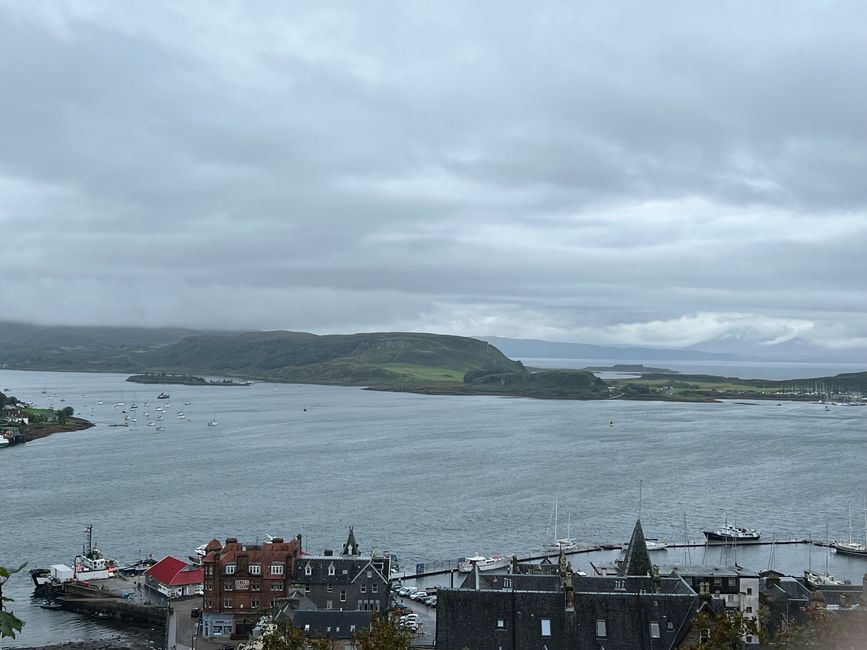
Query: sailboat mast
pixel 556 503
pixel 640 486
pixel 849 508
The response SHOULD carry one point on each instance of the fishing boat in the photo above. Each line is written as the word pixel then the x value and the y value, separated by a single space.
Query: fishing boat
pixel 729 533
pixel 163 396
pixel 466 565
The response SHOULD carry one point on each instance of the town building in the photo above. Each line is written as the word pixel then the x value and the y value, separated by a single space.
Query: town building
pixel 174 578
pixel 242 581
pixel 560 610
pixel 737 587
pixel 335 595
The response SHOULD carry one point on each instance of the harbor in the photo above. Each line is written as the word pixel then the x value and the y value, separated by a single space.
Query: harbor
pixel 156 493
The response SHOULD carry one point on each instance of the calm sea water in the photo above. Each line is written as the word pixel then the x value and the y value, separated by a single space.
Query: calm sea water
pixel 427 477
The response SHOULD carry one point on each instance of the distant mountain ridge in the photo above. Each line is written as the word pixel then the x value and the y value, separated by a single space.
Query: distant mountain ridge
pixel 538 349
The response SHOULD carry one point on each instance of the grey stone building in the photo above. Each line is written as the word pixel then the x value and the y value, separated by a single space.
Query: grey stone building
pixel 335 595
pixel 561 610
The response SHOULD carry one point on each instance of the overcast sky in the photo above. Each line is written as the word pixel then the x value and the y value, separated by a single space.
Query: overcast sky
pixel 650 173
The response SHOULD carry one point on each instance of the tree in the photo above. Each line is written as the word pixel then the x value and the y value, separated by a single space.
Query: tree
pixel 819 628
pixel 9 623
pixel 727 630
pixel 384 634
pixel 291 638
pixel 64 414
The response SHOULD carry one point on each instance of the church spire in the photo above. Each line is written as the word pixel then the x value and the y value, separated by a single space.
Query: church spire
pixel 636 561
pixel 351 546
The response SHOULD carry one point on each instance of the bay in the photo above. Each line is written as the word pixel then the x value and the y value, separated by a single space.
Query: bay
pixel 427 477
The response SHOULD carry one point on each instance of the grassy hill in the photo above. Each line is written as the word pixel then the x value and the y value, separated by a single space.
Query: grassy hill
pixel 97 349
pixel 388 359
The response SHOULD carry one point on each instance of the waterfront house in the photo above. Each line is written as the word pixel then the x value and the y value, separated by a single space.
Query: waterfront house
pixel 242 581
pixel 174 578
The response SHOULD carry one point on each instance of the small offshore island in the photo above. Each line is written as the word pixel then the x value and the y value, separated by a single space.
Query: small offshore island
pixel 182 380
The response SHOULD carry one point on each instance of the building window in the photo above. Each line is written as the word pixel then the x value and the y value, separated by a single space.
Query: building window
pixel 343 595
pixel 255 585
pixel 227 585
pixel 329 604
pixel 546 627
pixel 255 569
pixel 345 572
pixel 331 569
pixel 209 585
pixel 363 588
pixel 704 635
pixel 749 591
pixel 717 582
pixel 733 582
pixel 370 574
pixel 230 569
pixel 749 610
pixel 329 588
pixel 209 604
pixel 307 588
pixel 749 638
pixel 352 628
pixel 500 623
pixel 654 630
pixel 277 585
pixel 669 626
pixel 308 570
pixel 254 603
pixel 276 569
pixel 227 603
pixel 601 629
pixel 374 588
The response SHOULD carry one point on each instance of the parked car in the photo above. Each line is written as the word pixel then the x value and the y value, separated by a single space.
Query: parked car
pixel 418 595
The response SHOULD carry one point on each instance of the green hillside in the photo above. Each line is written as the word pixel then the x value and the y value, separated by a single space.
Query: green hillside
pixel 379 359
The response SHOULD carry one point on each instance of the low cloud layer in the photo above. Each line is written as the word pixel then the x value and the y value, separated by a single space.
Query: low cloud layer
pixel 630 174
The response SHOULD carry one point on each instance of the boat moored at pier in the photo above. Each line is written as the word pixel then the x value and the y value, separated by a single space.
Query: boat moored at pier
pixel 483 563
pixel 729 533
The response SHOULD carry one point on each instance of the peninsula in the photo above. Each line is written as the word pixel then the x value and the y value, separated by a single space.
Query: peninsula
pixel 388 361
pixel 22 422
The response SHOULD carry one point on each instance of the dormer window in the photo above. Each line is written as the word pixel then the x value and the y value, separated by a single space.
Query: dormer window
pixel 308 570
pixel 276 569
pixel 331 569
pixel 230 569
pixel 255 569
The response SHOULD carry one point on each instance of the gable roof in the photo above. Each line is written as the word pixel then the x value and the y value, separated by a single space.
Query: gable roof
pixel 175 573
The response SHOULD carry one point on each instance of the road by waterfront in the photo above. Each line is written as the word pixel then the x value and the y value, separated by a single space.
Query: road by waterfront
pixel 429 477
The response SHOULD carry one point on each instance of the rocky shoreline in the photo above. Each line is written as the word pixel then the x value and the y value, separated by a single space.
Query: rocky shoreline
pixel 98 644
pixel 35 432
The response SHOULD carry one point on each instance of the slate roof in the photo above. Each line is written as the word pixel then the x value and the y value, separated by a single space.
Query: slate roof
pixel 699 570
pixel 636 561
pixel 353 565
pixel 175 573
pixel 338 624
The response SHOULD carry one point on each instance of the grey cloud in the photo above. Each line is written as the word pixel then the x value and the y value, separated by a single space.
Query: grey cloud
pixel 421 166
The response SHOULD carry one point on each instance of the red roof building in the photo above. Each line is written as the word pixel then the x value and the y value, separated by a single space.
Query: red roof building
pixel 175 578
